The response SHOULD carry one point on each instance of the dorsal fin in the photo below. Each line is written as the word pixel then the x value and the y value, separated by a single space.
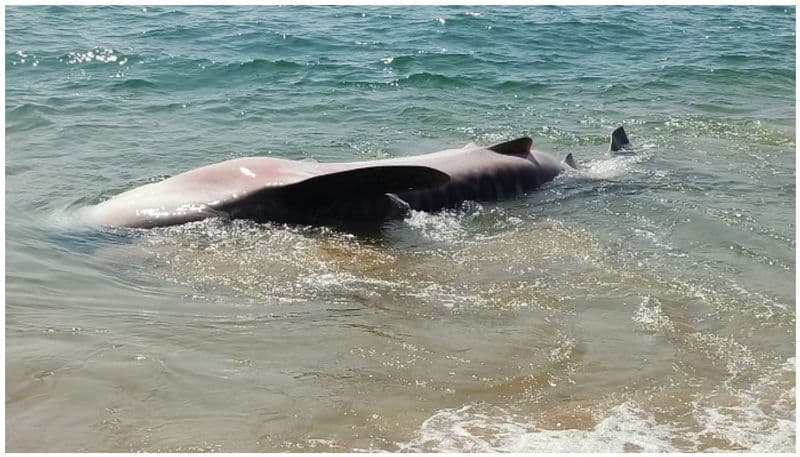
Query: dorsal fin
pixel 520 147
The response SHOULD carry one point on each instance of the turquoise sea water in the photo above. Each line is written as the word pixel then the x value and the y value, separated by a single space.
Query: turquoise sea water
pixel 649 305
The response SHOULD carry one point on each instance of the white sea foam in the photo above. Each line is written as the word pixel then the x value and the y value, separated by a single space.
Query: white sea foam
pixel 441 226
pixel 759 418
pixel 473 428
pixel 651 317
pixel 611 167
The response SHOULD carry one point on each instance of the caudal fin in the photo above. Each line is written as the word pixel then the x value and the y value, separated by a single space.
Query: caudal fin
pixel 619 140
pixel 569 160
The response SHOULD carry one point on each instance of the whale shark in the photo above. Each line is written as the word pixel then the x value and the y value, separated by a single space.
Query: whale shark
pixel 269 189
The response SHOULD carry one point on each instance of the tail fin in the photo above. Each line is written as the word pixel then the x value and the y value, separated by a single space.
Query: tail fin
pixel 569 160
pixel 619 140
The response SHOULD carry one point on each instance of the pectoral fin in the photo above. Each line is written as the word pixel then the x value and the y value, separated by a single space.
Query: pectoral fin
pixel 360 183
pixel 361 194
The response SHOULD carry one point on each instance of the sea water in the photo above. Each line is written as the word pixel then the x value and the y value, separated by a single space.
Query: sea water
pixel 645 303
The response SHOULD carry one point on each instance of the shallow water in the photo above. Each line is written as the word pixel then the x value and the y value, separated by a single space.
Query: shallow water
pixel 646 303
